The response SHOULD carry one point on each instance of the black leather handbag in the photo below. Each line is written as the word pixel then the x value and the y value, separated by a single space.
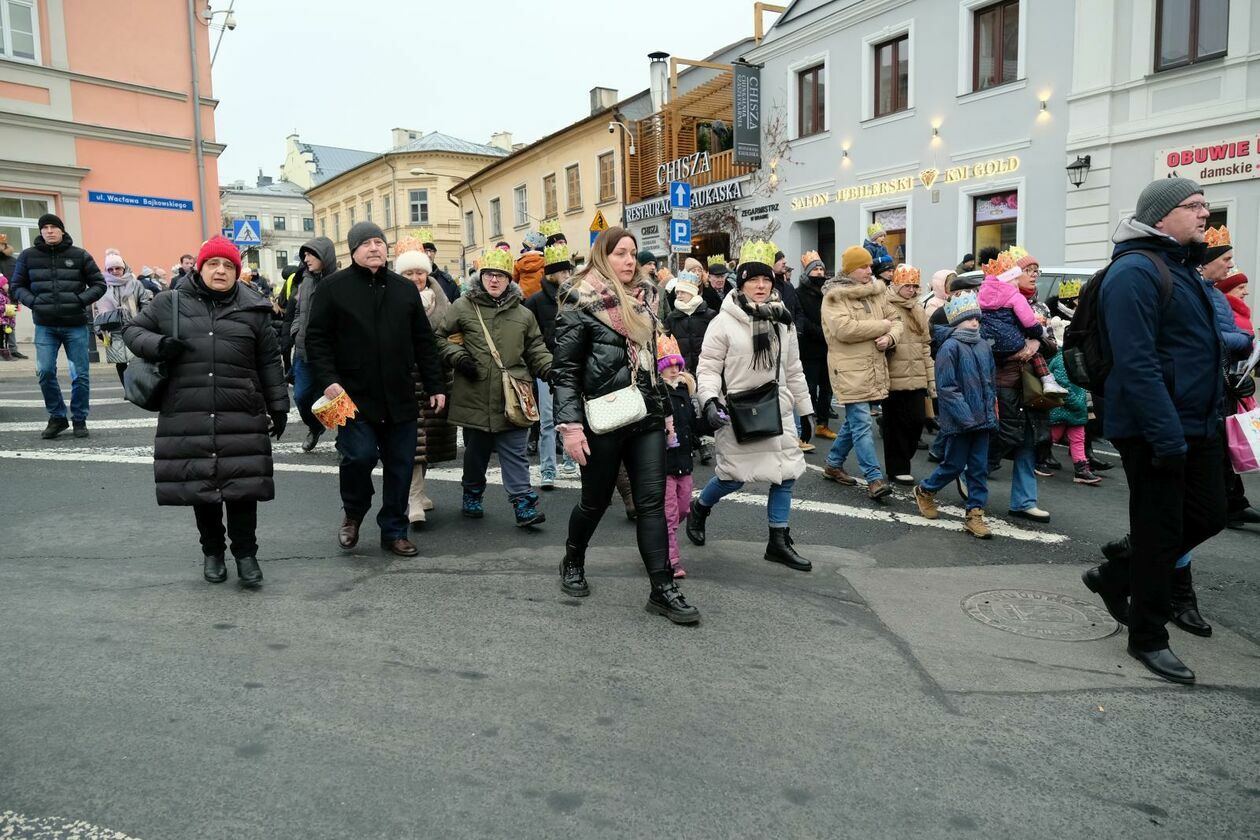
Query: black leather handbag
pixel 144 382
pixel 755 413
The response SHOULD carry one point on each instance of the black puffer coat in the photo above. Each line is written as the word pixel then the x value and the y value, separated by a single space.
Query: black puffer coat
pixel 810 336
pixel 58 282
pixel 212 443
pixel 543 304
pixel 689 330
pixel 591 359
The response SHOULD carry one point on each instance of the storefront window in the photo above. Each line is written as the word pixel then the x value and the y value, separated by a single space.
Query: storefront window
pixel 19 216
pixel 996 220
pixel 893 221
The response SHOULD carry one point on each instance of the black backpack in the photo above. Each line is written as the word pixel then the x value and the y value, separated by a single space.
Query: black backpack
pixel 1084 357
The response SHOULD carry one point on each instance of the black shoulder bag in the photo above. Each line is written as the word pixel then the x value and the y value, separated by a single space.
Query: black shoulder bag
pixel 144 382
pixel 755 413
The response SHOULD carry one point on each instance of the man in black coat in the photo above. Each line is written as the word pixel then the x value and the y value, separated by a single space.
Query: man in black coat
pixel 813 342
pixel 59 282
pixel 367 332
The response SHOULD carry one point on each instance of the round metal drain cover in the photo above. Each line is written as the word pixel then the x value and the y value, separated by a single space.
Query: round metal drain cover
pixel 1040 615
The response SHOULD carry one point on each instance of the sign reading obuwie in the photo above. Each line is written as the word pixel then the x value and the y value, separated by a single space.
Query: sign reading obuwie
pixel 1235 159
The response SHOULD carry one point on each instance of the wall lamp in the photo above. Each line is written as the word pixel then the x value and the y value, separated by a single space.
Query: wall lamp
pixel 1078 170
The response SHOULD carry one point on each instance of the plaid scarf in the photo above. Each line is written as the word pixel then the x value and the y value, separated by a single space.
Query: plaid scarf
pixel 765 318
pixel 591 293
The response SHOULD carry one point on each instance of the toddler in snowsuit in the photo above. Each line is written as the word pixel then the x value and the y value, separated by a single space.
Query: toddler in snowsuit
pixel 680 438
pixel 8 318
pixel 1009 318
pixel 1069 421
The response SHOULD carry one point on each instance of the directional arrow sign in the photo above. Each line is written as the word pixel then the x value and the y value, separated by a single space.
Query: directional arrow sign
pixel 679 194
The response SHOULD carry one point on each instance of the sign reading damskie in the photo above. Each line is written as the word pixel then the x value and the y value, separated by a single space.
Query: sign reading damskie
pixel 1235 159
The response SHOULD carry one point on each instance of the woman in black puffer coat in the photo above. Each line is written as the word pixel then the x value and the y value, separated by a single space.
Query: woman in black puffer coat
pixel 225 387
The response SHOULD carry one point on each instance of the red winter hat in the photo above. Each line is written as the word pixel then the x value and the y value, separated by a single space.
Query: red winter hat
pixel 1233 281
pixel 217 246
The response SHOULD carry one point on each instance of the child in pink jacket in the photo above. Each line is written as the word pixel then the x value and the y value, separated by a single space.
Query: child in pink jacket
pixel 1008 319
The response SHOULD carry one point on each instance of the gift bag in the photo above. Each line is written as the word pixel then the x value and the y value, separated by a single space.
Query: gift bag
pixel 1243 434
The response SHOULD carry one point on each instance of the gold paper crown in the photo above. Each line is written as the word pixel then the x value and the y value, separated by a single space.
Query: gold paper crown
pixel 809 257
pixel 717 259
pixel 1003 263
pixel 667 345
pixel 1069 289
pixel 1215 237
pixel 758 251
pixel 557 253
pixel 423 234
pixel 906 275
pixel 497 260
pixel 408 244
pixel 549 227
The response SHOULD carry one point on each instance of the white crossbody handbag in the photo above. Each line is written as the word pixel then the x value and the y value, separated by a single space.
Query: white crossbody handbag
pixel 617 409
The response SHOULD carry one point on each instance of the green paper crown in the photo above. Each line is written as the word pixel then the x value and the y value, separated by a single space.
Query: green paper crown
pixel 557 253
pixel 497 260
pixel 717 259
pixel 758 251
pixel 423 234
pixel 550 227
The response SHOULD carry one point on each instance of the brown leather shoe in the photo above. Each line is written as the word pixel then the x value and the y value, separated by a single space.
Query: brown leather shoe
pixel 348 534
pixel 402 546
pixel 878 489
pixel 839 475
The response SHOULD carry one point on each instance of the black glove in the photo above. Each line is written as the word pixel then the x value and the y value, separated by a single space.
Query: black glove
pixel 279 419
pixel 1241 387
pixel 715 414
pixel 171 348
pixel 1169 464
pixel 807 427
pixel 467 366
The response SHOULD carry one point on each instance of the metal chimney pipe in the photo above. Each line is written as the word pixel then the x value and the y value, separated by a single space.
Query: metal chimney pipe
pixel 658 71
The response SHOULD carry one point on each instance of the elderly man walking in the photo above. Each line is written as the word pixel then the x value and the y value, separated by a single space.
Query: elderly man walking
pixel 367 332
pixel 1164 395
pixel 59 282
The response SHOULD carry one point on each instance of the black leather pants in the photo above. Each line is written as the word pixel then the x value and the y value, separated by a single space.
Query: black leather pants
pixel 643 453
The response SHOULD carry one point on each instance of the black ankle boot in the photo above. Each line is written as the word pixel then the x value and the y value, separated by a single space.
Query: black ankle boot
pixel 213 568
pixel 1185 604
pixel 247 572
pixel 1120 549
pixel 780 550
pixel 573 573
pixel 666 600
pixel 695 521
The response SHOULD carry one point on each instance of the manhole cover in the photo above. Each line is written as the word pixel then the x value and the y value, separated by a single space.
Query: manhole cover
pixel 1040 615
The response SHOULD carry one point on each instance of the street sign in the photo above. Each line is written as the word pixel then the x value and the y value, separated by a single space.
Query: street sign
pixel 227 233
pixel 598 223
pixel 247 232
pixel 680 213
pixel 594 235
pixel 679 195
pixel 128 200
pixel 680 236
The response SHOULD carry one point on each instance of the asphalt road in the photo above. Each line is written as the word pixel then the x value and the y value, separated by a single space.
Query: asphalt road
pixel 459 694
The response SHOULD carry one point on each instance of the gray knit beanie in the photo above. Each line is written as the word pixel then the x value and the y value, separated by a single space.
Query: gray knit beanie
pixel 362 232
pixel 1161 196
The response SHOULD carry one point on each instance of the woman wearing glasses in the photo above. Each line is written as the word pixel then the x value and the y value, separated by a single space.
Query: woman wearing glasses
pixel 124 297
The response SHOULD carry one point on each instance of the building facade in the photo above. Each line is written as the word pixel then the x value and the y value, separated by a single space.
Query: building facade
pixel 1163 88
pixel 944 122
pixel 285 217
pixel 404 189
pixel 103 135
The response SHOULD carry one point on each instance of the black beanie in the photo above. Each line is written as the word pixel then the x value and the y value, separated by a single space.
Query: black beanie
pixel 362 232
pixel 749 270
pixel 51 219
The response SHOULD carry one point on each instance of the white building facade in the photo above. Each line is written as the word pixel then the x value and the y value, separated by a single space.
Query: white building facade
pixel 285 216
pixel 1163 88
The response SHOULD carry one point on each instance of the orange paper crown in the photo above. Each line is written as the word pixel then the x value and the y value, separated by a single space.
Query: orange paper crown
pixel 408 244
pixel 1217 236
pixel 905 275
pixel 809 257
pixel 335 412
pixel 1002 267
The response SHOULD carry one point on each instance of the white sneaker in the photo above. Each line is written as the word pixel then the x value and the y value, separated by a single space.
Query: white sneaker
pixel 1050 387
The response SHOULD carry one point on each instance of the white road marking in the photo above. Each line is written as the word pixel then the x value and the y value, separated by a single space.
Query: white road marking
pixel 144 455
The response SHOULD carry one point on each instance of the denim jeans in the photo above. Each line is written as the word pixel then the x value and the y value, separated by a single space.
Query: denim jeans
pixel 855 435
pixel 778 502
pixel 360 444
pixel 47 341
pixel 1023 479
pixel 546 429
pixel 966 453
pixel 304 394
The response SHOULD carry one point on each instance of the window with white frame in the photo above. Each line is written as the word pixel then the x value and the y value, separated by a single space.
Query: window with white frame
pixel 19 218
pixel 367 210
pixel 19 30
pixel 470 231
pixel 389 211
pixel 892 76
pixel 607 177
pixel 995 45
pixel 282 260
pixel 520 206
pixel 811 101
pixel 350 211
pixel 496 218
pixel 573 187
pixel 278 222
pixel 1190 31
pixel 336 227
pixel 419 200
pixel 308 224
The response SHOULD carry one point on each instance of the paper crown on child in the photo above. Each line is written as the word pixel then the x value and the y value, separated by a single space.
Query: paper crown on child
pixel 759 251
pixel 534 240
pixel 687 281
pixel 905 275
pixel 422 235
pixel 549 227
pixel 1069 289
pixel 556 258
pixel 1217 236
pixel 1004 266
pixel 961 307
pixel 874 230
pixel 716 259
pixel 668 353
pixel 497 260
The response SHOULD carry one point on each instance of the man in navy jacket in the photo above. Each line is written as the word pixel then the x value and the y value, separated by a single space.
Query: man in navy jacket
pixel 1164 397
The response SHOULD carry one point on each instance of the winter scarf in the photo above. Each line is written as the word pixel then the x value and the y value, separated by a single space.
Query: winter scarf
pixel 590 293
pixel 764 316
pixel 689 306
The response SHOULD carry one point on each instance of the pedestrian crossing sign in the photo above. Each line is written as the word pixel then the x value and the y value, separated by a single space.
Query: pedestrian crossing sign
pixel 247 232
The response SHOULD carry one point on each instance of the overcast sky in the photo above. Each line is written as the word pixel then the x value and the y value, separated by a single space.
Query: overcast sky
pixel 344 72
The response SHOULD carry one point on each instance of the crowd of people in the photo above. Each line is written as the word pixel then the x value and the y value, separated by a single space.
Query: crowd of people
pixel 628 373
